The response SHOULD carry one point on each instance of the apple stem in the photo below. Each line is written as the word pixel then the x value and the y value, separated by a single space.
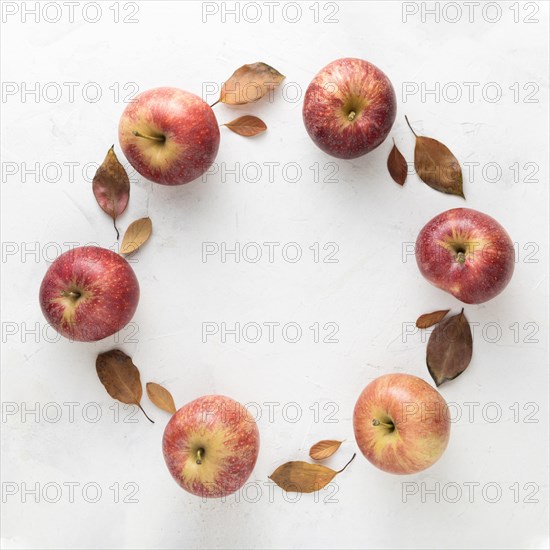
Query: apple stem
pixel 199 455
pixel 153 138
pixel 385 424
pixel 349 462
pixel 215 103
pixel 410 126
pixel 461 257
pixel 71 294
pixel 152 421
pixel 351 115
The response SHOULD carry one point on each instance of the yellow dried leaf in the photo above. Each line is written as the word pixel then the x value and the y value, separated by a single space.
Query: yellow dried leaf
pixel 325 448
pixel 247 126
pixel 302 477
pixel 136 235
pixel 429 319
pixel 249 83
pixel 161 397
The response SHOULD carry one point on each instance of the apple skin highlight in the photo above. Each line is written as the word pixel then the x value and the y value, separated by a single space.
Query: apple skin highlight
pixel 467 254
pixel 211 446
pixel 401 424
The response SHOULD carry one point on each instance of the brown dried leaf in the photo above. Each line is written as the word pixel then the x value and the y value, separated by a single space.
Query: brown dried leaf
pixel 111 187
pixel 449 349
pixel 136 235
pixel 397 165
pixel 249 83
pixel 161 397
pixel 303 477
pixel 247 126
pixel 429 319
pixel 437 166
pixel 325 448
pixel 120 376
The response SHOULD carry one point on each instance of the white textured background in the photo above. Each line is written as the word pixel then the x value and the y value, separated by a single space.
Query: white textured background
pixel 370 292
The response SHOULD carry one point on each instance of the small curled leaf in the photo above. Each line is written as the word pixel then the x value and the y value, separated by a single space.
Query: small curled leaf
pixel 136 235
pixel 249 83
pixel 397 165
pixel 111 187
pixel 247 126
pixel 430 319
pixel 121 378
pixel 302 477
pixel 325 448
pixel 161 397
pixel 449 349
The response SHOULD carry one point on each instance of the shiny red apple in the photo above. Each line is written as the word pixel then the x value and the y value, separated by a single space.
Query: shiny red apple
pixel 401 423
pixel 211 445
pixel 169 136
pixel 349 108
pixel 89 293
pixel 466 253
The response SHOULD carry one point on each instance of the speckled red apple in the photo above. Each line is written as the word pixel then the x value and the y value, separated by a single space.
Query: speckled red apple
pixel 349 108
pixel 169 136
pixel 211 445
pixel 89 293
pixel 401 423
pixel 466 253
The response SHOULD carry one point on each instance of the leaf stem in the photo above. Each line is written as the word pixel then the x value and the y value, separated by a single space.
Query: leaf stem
pixel 349 462
pixel 139 405
pixel 116 229
pixel 409 124
pixel 152 138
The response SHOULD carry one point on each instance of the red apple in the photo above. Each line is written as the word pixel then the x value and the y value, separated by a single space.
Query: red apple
pixel 466 253
pixel 401 423
pixel 89 293
pixel 211 445
pixel 169 136
pixel 349 108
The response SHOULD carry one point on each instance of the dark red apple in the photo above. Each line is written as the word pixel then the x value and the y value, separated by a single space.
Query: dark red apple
pixel 89 293
pixel 349 108
pixel 169 136
pixel 466 253
pixel 401 423
pixel 211 445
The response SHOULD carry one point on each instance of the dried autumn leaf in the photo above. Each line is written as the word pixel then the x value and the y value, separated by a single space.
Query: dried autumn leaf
pixel 161 397
pixel 111 187
pixel 247 126
pixel 136 235
pixel 303 477
pixel 449 349
pixel 397 165
pixel 249 83
pixel 120 376
pixel 429 319
pixel 323 449
pixel 436 165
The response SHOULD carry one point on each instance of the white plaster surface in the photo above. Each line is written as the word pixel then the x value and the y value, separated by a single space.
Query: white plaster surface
pixel 499 439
